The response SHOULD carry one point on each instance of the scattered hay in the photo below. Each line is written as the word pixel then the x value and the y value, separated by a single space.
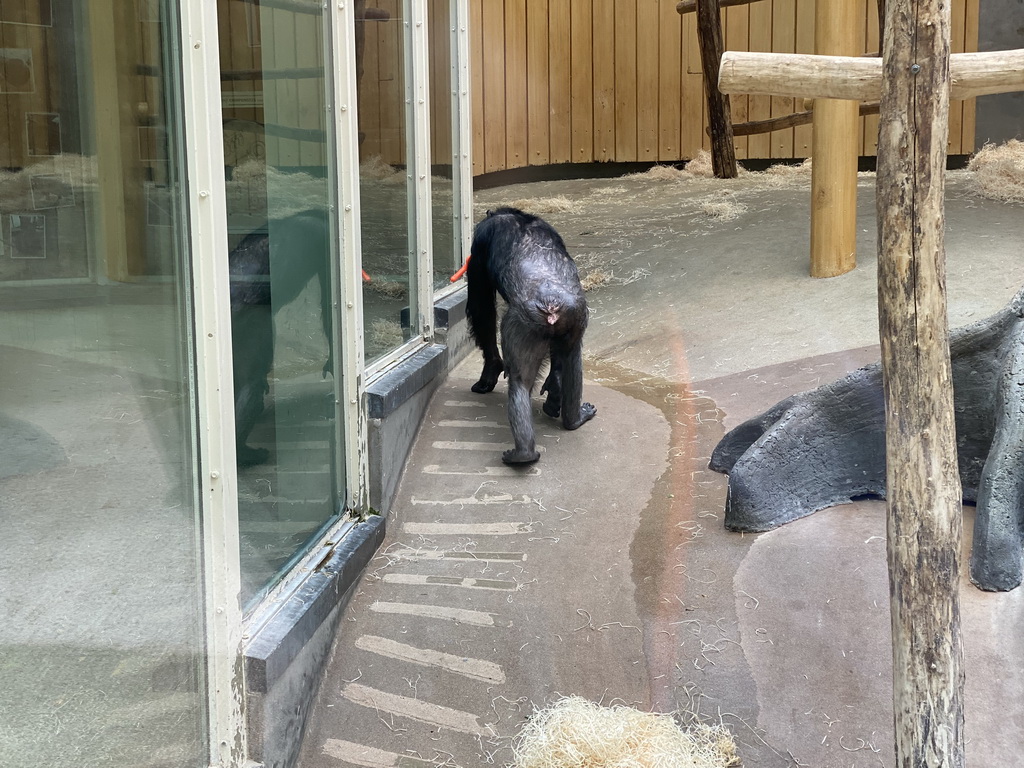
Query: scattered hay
pixel 595 279
pixel 384 334
pixel 575 733
pixel 49 183
pixel 721 210
pixel 376 169
pixel 665 173
pixel 997 172
pixel 608 191
pixel 701 166
pixel 292 192
pixel 541 205
pixel 390 289
pixel 783 175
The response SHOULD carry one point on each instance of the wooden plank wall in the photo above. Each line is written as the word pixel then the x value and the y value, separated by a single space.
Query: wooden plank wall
pixel 558 81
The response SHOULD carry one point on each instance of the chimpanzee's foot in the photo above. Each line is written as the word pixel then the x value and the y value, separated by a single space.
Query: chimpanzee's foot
pixel 587 412
pixel 250 457
pixel 489 377
pixel 515 456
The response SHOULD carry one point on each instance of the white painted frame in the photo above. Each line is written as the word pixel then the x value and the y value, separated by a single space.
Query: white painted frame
pixel 462 132
pixel 343 136
pixel 218 492
pixel 417 161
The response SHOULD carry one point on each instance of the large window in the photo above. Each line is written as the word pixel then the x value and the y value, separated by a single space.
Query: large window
pixel 102 639
pixel 283 297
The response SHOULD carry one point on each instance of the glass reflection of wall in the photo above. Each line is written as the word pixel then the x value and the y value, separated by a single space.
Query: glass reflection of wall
pixel 447 257
pixel 275 112
pixel 101 642
pixel 383 184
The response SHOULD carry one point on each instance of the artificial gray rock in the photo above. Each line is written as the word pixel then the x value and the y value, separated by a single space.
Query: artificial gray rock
pixel 826 447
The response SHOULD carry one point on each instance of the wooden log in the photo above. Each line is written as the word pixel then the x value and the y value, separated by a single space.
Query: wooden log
pixel 925 515
pixel 834 149
pixel 794 120
pixel 709 35
pixel 690 6
pixel 860 79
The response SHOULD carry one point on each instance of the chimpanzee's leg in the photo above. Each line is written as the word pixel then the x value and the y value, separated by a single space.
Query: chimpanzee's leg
pixel 575 413
pixel 252 338
pixel 483 322
pixel 523 357
pixel 553 386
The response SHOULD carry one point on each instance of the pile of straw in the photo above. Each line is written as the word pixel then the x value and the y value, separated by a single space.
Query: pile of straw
pixel 997 172
pixel 575 733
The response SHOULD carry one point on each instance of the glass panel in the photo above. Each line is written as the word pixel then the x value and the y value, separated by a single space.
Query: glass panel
pixel 447 257
pixel 275 112
pixel 101 643
pixel 383 182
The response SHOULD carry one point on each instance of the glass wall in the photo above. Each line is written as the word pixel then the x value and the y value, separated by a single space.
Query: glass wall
pixel 274 94
pixel 102 639
pixel 447 254
pixel 384 184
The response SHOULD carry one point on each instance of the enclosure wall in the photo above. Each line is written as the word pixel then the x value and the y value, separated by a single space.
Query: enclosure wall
pixel 581 81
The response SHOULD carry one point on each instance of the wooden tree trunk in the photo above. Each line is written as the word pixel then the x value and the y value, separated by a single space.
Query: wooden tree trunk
pixel 709 35
pixel 924 497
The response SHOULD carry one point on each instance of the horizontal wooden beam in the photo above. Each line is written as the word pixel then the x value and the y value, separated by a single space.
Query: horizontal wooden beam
pixel 755 127
pixel 860 79
pixel 690 6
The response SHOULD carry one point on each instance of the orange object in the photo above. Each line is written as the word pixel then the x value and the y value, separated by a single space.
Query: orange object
pixel 462 270
pixel 366 277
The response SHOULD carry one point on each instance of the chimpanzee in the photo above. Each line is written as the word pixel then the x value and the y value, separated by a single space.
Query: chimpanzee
pixel 298 247
pixel 523 258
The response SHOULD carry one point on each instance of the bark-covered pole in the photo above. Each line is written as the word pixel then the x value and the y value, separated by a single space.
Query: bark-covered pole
pixel 709 36
pixel 923 487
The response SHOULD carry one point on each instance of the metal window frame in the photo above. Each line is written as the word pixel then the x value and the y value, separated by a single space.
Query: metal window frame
pixel 218 495
pixel 343 136
pixel 462 132
pixel 417 163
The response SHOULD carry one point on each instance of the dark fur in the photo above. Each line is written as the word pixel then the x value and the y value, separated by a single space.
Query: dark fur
pixel 298 250
pixel 524 259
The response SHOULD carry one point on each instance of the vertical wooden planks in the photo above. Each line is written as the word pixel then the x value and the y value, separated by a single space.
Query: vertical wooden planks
pixel 604 80
pixel 369 94
pixel 693 122
pixel 804 44
pixel 670 94
pixel 494 85
pixel 871 45
pixel 968 127
pixel 309 91
pixel 476 73
pixel 646 43
pixel 760 107
pixel 538 82
pixel 560 44
pixel 783 41
pixel 625 84
pixel 958 24
pixel 391 67
pixel 736 25
pixel 582 85
pixel 620 80
pixel 516 122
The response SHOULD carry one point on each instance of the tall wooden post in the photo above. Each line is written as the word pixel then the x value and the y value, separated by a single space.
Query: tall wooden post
pixel 709 35
pixel 834 151
pixel 924 498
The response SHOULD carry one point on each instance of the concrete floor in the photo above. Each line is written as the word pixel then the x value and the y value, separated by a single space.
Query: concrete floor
pixel 604 570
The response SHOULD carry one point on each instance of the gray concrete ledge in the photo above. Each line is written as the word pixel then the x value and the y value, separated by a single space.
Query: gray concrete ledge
pixel 278 643
pixel 391 390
